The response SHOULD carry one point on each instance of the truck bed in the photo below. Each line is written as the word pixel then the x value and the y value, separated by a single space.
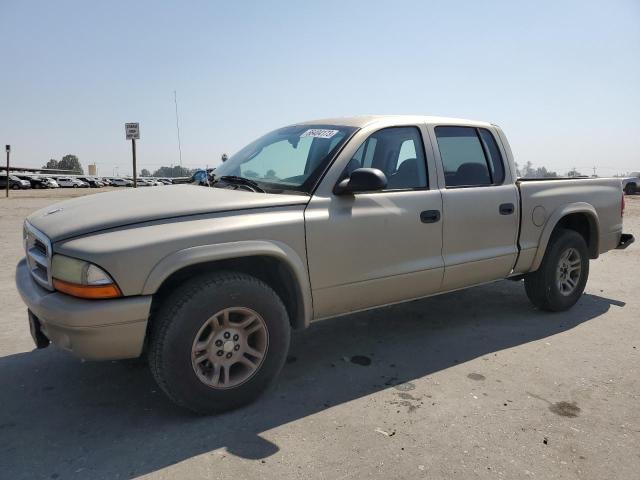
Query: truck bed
pixel 544 200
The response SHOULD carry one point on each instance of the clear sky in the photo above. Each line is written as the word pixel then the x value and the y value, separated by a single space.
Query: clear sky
pixel 561 77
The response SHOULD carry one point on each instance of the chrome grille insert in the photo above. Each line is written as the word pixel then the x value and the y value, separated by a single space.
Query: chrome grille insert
pixel 38 250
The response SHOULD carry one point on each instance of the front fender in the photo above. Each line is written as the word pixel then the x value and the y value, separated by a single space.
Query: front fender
pixel 225 251
pixel 552 222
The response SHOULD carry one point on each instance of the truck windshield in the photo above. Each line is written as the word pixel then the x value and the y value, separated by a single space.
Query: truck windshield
pixel 290 158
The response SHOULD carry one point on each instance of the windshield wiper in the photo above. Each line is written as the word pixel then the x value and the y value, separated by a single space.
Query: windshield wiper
pixel 233 179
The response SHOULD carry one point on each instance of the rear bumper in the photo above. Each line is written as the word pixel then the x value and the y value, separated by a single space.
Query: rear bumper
pixel 626 239
pixel 90 329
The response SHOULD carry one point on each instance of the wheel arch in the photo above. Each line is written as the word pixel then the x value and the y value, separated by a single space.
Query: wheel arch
pixel 580 217
pixel 275 263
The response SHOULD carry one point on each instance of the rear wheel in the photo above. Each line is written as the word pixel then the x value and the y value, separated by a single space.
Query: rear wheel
pixel 218 341
pixel 630 188
pixel 15 186
pixel 560 281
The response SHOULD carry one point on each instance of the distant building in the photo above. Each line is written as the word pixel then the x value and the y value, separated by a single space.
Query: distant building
pixel 93 170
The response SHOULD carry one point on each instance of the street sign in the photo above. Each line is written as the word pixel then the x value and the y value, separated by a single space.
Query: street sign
pixel 132 131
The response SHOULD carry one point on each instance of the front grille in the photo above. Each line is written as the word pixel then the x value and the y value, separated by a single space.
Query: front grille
pixel 38 250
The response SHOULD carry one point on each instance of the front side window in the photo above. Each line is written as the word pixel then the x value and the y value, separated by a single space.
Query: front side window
pixel 398 152
pixel 290 158
pixel 470 157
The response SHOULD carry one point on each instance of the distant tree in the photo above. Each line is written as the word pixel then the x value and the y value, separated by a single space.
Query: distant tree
pixel 53 163
pixel 573 173
pixel 518 170
pixel 528 170
pixel 145 173
pixel 542 172
pixel 70 162
pixel 271 175
pixel 175 171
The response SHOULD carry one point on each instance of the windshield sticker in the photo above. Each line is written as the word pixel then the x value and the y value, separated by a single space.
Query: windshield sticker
pixel 319 133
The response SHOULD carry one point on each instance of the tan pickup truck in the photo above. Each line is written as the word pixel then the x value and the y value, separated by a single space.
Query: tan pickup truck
pixel 313 220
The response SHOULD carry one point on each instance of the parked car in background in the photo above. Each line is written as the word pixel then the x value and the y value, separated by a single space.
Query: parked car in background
pixel 352 214
pixel 165 181
pixel 36 182
pixel 92 181
pixel 120 182
pixel 631 185
pixel 140 182
pixel 15 183
pixel 51 182
pixel 39 182
pixel 71 182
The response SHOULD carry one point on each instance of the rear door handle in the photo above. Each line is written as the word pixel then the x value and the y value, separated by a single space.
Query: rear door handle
pixel 430 216
pixel 507 209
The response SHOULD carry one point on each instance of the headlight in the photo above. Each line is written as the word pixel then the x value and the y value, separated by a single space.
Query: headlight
pixel 82 279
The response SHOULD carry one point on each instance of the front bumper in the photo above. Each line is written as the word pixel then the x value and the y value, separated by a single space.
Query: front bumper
pixel 90 329
pixel 626 239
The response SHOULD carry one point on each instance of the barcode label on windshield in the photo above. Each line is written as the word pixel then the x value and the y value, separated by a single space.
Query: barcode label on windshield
pixel 319 133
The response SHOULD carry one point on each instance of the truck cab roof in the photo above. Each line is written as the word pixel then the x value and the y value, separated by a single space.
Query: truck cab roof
pixel 361 121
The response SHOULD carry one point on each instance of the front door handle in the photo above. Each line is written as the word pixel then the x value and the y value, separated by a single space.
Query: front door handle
pixel 430 216
pixel 507 209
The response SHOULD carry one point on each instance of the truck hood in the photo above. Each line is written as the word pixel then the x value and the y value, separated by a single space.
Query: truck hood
pixel 92 213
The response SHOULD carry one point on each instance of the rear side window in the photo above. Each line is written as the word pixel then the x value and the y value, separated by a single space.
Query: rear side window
pixel 470 157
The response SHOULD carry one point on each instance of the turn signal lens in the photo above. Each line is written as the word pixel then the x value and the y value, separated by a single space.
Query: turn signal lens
pixel 82 279
pixel 87 291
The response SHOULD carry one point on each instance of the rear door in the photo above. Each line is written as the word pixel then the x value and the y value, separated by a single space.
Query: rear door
pixel 480 204
pixel 376 248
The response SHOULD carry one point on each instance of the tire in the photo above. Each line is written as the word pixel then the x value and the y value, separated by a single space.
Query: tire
pixel 630 188
pixel 545 287
pixel 75 186
pixel 186 318
pixel 15 187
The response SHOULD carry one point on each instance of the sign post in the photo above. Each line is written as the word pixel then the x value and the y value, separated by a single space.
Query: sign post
pixel 8 149
pixel 132 131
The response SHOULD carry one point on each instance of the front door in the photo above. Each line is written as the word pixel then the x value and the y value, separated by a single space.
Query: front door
pixel 377 248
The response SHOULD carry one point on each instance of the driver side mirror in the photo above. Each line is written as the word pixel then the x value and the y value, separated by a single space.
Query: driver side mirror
pixel 362 180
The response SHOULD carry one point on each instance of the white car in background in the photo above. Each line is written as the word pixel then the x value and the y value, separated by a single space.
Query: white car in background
pixel 120 182
pixel 70 182
pixel 51 182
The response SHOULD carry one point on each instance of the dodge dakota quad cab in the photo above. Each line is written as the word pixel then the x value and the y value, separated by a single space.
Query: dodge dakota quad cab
pixel 310 221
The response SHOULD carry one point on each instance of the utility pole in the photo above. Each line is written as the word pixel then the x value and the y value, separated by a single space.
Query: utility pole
pixel 594 171
pixel 8 149
pixel 175 100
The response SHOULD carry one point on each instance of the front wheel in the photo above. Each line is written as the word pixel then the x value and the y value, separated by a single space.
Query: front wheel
pixel 560 281
pixel 630 188
pixel 218 341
